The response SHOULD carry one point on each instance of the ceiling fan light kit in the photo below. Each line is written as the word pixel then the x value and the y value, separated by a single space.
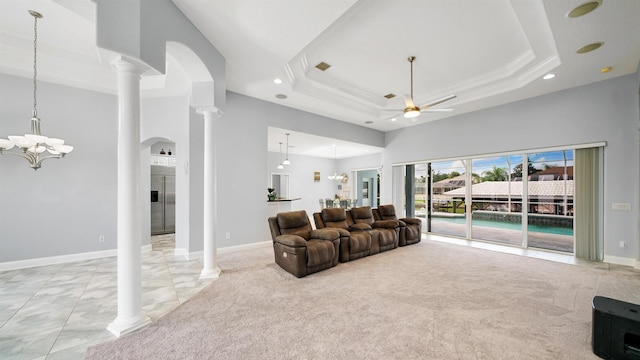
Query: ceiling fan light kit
pixel 411 111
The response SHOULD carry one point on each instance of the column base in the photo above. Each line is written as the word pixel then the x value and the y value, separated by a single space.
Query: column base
pixel 121 327
pixel 210 273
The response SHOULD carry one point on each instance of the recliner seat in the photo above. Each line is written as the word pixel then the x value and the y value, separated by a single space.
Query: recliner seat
pixel 410 228
pixel 385 234
pixel 354 243
pixel 300 249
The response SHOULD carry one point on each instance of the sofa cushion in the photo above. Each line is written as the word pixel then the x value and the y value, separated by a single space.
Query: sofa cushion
pixel 319 252
pixel 362 214
pixel 335 218
pixel 387 212
pixel 294 223
pixel 359 242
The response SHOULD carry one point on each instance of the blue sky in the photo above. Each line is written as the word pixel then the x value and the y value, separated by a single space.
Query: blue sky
pixel 480 165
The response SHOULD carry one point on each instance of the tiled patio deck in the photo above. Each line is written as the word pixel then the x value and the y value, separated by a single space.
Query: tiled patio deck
pixel 563 243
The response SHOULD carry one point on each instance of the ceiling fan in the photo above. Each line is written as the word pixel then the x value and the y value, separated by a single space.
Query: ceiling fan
pixel 412 111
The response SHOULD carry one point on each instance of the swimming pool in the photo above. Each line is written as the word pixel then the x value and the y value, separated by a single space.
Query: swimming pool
pixel 507 225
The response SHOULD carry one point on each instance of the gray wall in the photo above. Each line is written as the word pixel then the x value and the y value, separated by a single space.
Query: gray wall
pixel 141 29
pixel 65 206
pixel 604 111
pixel 70 217
pixel 245 165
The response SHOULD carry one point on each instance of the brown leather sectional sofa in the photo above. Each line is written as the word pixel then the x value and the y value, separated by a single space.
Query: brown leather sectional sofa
pixel 340 235
pixel 361 234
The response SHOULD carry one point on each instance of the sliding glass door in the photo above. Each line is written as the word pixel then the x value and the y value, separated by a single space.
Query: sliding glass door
pixel 497 199
pixel 550 200
pixel 523 199
pixel 448 206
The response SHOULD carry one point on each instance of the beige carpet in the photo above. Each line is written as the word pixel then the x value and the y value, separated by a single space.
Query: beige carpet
pixel 426 301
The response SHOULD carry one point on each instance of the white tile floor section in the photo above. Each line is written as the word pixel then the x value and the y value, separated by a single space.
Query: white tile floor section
pixel 57 311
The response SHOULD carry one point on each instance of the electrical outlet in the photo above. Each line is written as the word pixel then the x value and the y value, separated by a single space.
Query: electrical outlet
pixel 101 238
pixel 621 206
pixel 622 244
pixel 228 235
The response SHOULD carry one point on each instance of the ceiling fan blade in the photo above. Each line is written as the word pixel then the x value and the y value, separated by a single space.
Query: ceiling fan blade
pixel 435 110
pixel 408 101
pixel 440 101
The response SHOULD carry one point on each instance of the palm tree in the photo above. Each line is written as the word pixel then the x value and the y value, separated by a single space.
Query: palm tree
pixel 495 174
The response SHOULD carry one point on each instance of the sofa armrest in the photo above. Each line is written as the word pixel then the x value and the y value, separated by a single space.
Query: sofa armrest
pixel 387 224
pixel 360 227
pixel 324 234
pixel 291 240
pixel 413 221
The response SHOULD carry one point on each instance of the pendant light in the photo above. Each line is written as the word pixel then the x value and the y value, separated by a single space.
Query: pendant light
pixel 280 166
pixel 286 160
pixel 31 146
pixel 335 175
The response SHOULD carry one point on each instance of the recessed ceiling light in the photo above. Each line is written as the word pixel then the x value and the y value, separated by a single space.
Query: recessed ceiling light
pixel 549 76
pixel 277 81
pixel 590 47
pixel 606 69
pixel 584 9
pixel 394 119
pixel 281 96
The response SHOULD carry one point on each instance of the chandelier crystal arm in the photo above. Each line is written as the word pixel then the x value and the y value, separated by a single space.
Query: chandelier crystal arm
pixel 34 159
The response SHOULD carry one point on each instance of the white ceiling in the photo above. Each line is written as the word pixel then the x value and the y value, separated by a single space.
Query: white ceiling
pixel 486 52
pixel 318 146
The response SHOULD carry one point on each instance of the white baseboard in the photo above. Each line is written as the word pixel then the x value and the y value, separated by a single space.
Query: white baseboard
pixel 181 252
pixel 53 260
pixel 257 245
pixel 225 250
pixel 618 260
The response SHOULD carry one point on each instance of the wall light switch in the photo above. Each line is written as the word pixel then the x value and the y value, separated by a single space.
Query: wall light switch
pixel 623 244
pixel 227 235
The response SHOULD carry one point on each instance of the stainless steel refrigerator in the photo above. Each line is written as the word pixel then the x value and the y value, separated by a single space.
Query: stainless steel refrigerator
pixel 163 200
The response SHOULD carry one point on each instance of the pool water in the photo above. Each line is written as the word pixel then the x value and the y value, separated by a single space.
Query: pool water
pixel 507 225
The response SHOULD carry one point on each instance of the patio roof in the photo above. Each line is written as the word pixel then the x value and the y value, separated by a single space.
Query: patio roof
pixel 555 188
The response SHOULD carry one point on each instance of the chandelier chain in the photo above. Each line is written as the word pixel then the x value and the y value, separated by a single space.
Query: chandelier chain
pixel 35 59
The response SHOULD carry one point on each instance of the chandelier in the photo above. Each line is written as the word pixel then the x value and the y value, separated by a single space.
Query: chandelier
pixel 32 146
pixel 335 176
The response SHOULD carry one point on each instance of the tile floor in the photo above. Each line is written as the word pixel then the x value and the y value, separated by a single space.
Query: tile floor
pixel 57 311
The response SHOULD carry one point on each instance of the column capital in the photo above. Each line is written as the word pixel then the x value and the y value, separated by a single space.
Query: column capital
pixel 209 111
pixel 126 64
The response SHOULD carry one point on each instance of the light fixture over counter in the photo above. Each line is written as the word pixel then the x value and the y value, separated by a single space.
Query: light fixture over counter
pixel 31 146
pixel 280 166
pixel 286 160
pixel 335 176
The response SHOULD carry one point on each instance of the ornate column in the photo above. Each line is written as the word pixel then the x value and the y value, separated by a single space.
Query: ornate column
pixel 210 266
pixel 130 316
